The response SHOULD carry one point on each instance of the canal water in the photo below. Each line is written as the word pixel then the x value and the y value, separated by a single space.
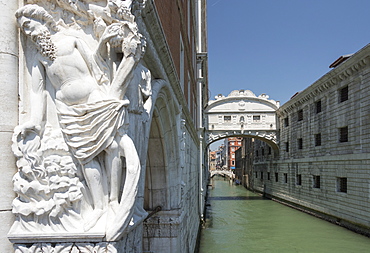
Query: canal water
pixel 239 220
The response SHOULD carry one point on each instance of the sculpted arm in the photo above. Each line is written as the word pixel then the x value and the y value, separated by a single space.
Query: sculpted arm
pixel 37 98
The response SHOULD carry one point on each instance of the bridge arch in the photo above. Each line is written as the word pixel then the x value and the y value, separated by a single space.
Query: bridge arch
pixel 242 114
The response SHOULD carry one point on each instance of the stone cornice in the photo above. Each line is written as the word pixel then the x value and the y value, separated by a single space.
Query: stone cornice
pixel 341 73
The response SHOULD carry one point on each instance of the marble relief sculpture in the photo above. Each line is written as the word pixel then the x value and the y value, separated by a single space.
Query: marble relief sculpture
pixel 78 168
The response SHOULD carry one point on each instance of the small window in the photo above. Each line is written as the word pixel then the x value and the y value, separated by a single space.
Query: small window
pixel 268 176
pixel 300 143
pixel 299 179
pixel 241 119
pixel 318 139
pixel 342 184
pixel 285 178
pixel 227 118
pixel 269 152
pixel 343 94
pixel 257 153
pixel 286 146
pixel 316 182
pixel 343 134
pixel 262 151
pixel 300 115
pixel 232 163
pixel 256 174
pixel 318 106
pixel 286 122
pixel 261 175
pixel 256 118
pixel 276 177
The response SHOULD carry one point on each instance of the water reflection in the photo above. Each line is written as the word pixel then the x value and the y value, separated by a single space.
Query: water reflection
pixel 235 222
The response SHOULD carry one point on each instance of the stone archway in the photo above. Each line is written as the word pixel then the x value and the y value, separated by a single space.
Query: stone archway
pixel 155 193
pixel 242 114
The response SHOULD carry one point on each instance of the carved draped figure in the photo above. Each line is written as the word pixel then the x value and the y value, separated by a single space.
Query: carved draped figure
pixel 90 128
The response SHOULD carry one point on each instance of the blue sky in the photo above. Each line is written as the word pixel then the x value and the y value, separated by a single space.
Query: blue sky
pixel 279 47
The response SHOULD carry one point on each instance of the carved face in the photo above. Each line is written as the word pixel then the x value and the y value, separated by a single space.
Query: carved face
pixel 32 28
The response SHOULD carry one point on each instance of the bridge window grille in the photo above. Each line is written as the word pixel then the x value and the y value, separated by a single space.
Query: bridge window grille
pixel 300 115
pixel 342 184
pixel 286 122
pixel 316 181
pixel 318 139
pixel 276 177
pixel 343 134
pixel 256 118
pixel 285 178
pixel 300 143
pixel 343 94
pixel 318 106
pixel 299 179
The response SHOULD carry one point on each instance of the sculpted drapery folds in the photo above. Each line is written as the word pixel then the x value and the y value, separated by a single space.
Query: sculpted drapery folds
pixel 73 149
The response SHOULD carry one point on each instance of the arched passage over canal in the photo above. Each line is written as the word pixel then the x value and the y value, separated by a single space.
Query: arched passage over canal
pixel 242 114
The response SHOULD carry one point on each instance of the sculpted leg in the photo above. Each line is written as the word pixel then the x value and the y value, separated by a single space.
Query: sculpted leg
pixel 127 203
pixel 94 180
pixel 113 165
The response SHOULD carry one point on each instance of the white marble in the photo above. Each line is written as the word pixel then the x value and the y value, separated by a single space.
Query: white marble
pixel 83 74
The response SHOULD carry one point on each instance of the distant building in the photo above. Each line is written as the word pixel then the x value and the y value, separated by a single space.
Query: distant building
pixel 232 144
pixel 212 160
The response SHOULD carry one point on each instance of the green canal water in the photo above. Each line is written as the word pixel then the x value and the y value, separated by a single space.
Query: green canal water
pixel 239 220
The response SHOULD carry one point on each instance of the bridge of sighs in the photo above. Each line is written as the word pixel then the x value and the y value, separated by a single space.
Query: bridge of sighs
pixel 242 114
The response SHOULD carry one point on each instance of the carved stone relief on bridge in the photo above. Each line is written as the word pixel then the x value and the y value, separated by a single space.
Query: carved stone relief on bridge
pixel 86 101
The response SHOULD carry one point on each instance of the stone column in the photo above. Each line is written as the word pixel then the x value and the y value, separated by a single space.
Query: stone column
pixel 9 114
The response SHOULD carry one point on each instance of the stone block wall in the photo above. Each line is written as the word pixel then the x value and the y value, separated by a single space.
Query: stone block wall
pixel 324 159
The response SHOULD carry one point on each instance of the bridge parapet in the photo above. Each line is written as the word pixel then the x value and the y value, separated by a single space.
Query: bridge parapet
pixel 224 173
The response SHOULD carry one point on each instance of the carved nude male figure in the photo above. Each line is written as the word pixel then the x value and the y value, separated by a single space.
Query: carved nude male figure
pixel 91 117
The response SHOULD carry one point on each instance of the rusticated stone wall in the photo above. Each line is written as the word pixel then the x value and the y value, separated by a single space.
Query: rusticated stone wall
pixel 324 160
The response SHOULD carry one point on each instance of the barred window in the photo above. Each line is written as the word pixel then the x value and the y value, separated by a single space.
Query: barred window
pixel 343 94
pixel 299 179
pixel 286 121
pixel 316 182
pixel 300 115
pixel 343 134
pixel 318 139
pixel 300 143
pixel 318 106
pixel 342 184
pixel 256 118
